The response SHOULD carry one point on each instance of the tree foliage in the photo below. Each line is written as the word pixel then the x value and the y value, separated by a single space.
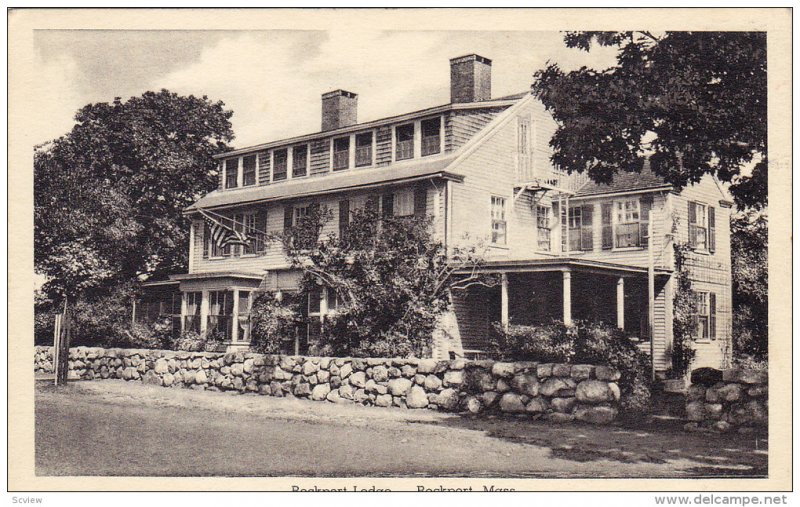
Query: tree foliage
pixel 750 287
pixel 391 277
pixel 108 195
pixel 695 102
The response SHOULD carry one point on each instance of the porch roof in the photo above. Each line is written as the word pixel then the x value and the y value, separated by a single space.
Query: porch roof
pixel 566 264
pixel 347 180
pixel 214 275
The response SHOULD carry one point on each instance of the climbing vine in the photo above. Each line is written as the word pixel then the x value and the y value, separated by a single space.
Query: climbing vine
pixel 683 306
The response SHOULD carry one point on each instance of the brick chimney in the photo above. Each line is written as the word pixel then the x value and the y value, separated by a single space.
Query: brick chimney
pixel 338 109
pixel 470 79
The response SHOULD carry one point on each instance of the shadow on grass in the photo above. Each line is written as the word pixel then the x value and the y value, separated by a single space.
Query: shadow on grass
pixel 654 441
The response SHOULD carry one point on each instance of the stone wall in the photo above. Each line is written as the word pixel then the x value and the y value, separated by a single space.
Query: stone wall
pixel 556 392
pixel 734 399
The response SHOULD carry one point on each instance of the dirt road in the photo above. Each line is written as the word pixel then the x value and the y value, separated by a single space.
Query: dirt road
pixel 127 428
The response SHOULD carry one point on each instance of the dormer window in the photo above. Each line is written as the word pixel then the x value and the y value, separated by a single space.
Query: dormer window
pixel 232 173
pixel 341 153
pixel 431 136
pixel 299 161
pixel 364 149
pixel 279 164
pixel 404 142
pixel 249 170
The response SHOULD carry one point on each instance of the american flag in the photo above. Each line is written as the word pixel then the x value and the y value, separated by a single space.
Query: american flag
pixel 223 235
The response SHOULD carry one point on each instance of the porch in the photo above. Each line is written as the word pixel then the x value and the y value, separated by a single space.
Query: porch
pixel 543 291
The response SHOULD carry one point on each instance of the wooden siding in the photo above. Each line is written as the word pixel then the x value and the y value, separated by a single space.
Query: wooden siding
pixel 383 146
pixel 461 126
pixel 320 162
pixel 264 167
pixel 710 272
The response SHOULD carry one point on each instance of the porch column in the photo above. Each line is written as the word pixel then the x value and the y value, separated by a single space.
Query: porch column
pixel 204 313
pixel 567 296
pixel 621 303
pixel 235 317
pixel 504 300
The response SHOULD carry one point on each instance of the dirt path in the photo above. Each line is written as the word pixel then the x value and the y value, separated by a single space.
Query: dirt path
pixel 127 428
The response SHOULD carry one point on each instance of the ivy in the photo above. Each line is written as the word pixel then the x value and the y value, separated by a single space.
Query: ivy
pixel 683 308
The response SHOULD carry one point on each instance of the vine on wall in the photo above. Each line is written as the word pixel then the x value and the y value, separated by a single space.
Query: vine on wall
pixel 683 323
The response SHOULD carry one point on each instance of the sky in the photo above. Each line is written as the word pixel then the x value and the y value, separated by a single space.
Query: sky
pixel 273 79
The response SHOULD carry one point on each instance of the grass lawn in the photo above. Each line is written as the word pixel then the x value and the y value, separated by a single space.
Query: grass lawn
pixel 113 427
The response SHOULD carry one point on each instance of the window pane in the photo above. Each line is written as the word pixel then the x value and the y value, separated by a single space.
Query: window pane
pixel 431 138
pixel 231 172
pixel 404 138
pixel 364 149
pixel 299 161
pixel 403 204
pixel 249 170
pixel 280 158
pixel 341 153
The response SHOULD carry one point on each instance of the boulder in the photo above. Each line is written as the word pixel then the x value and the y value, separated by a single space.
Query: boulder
pixel 525 383
pixel 248 365
pixel 696 392
pixel 360 396
pixel 502 386
pixel 448 399
pixel 383 400
pixel 346 391
pixel 563 405
pixel 310 368
pixel 706 376
pixel 161 366
pixel 544 370
pixel 323 376
pixel 745 376
pixel 167 380
pixel 479 380
pixel 427 366
pixel 488 398
pixel 345 370
pixel 512 403
pixel 556 386
pixel 200 377
pixel 320 392
pixel 370 386
pixel 237 369
pixel 503 370
pixel 303 389
pixel 561 370
pixel 472 405
pixel 419 379
pixel 607 373
pixel 453 378
pixel 594 391
pixel 417 397
pixel 433 383
pixel 595 414
pixel 380 374
pixel 581 371
pixel 334 397
pixel 713 410
pixel 558 417
pixel 696 411
pixel 537 405
pixel 399 386
pixel 408 371
pixel 358 379
pixel 721 426
pixel 753 392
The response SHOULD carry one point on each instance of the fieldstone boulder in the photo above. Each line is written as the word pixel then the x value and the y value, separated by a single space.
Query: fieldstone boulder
pixel 320 392
pixel 502 386
pixel 607 373
pixel 731 392
pixel 745 376
pixel 479 380
pixel 594 391
pixel 427 366
pixel 448 399
pixel 433 383
pixel 248 365
pixel 595 414
pixel 696 392
pixel 303 389
pixel 706 376
pixel 346 391
pixel 713 410
pixel 454 378
pixel 345 370
pixel 512 403
pixel 237 369
pixel 581 371
pixel 383 400
pixel 408 371
pixel 161 366
pixel 358 379
pixel 200 377
pixel 563 405
pixel 417 397
pixel 757 391
pixel 558 417
pixel 556 386
pixel 380 374
pixel 544 370
pixel 537 405
pixel 525 383
pixel 503 370
pixel 488 398
pixel 721 426
pixel 696 411
pixel 561 370
pixel 310 368
pixel 472 405
pixel 323 376
pixel 399 386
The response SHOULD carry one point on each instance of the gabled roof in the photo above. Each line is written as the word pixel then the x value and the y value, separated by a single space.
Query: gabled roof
pixel 625 181
pixel 349 180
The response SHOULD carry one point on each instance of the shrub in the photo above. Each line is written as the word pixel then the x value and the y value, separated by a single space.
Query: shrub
pixel 156 335
pixel 274 321
pixel 190 341
pixel 584 342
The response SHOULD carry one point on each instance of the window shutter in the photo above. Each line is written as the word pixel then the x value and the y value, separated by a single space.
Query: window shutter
pixel 344 217
pixel 261 231
pixel 712 231
pixel 288 211
pixel 587 229
pixel 712 315
pixel 205 239
pixel 420 201
pixel 388 205
pixel 692 220
pixel 645 205
pixel 606 209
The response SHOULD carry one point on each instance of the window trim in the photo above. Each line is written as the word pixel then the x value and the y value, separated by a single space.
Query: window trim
pixel 413 126
pixel 272 164
pixel 549 228
pixel 615 223
pixel 255 171
pixel 238 173
pixel 373 145
pixel 439 135
pixel 492 221
pixel 395 201
pixel 704 250
pixel 350 153
pixel 698 316
pixel 290 168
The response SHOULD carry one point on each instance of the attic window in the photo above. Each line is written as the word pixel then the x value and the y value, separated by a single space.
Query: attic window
pixel 341 153
pixel 279 166
pixel 299 161
pixel 249 170
pixel 364 149
pixel 431 138
pixel 404 145
pixel 232 173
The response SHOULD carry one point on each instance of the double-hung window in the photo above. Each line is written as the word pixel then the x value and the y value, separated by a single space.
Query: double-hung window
pixel 191 321
pixel 248 170
pixel 220 313
pixel 543 218
pixel 364 149
pixel 404 142
pixel 705 315
pixel 698 226
pixel 341 153
pixel 279 164
pixel 299 161
pixel 232 173
pixel 627 230
pixel 431 136
pixel 498 220
pixel 403 203
pixel 246 223
pixel 575 221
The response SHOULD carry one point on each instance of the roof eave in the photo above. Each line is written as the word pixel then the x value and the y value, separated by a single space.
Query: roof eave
pixel 659 188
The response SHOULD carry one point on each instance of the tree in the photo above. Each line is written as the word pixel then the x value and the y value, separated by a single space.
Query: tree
pixel 109 195
pixel 391 277
pixel 695 102
pixel 750 287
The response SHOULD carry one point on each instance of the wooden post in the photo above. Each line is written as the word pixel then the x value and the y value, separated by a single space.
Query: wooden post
pixel 621 303
pixel 567 296
pixel 651 297
pixel 61 347
pixel 504 300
